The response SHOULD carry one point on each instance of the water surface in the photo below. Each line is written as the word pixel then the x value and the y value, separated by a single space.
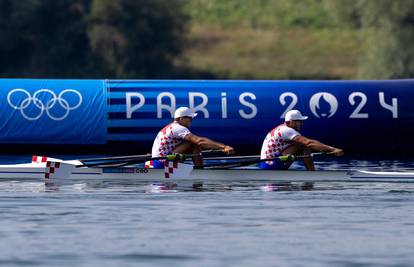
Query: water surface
pixel 127 223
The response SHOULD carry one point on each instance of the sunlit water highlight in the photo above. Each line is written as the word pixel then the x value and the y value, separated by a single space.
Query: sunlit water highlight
pixel 127 223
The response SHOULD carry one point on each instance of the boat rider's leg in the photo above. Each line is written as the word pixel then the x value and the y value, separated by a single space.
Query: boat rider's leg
pixel 297 149
pixel 189 148
pixel 308 161
pixel 291 150
pixel 197 158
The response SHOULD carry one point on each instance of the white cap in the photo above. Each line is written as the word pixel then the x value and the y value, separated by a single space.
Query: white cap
pixel 184 112
pixel 295 115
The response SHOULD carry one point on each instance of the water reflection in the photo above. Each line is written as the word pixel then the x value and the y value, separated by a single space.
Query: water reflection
pixel 162 188
pixel 352 164
pixel 185 187
pixel 140 187
pixel 221 187
pixel 306 186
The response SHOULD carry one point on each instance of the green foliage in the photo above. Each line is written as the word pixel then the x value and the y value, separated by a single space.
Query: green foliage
pixel 43 38
pixel 287 53
pixel 136 38
pixel 261 13
pixel 227 39
pixel 83 38
pixel 388 31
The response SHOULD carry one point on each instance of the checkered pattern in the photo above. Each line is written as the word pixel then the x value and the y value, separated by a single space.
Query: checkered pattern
pixel 51 168
pixel 38 159
pixel 274 144
pixel 167 140
pixel 169 167
pixel 149 164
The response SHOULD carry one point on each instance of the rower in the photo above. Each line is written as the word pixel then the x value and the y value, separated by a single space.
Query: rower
pixel 177 138
pixel 285 139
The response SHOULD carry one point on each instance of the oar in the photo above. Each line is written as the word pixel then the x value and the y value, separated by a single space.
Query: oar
pixel 130 160
pixel 137 157
pixel 226 165
pixel 116 158
pixel 113 160
pixel 233 157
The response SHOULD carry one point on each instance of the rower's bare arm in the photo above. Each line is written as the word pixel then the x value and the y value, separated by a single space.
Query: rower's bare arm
pixel 206 143
pixel 318 146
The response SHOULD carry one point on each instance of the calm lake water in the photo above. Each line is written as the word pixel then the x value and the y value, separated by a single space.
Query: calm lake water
pixel 239 224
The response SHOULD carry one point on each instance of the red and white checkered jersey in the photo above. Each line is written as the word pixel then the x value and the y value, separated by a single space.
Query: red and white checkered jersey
pixel 169 138
pixel 277 140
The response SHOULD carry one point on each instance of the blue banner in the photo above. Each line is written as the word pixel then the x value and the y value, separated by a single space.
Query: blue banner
pixel 360 116
pixel 356 115
pixel 52 111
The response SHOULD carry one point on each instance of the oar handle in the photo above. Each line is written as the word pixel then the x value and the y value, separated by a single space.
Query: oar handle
pixel 117 158
pixel 295 157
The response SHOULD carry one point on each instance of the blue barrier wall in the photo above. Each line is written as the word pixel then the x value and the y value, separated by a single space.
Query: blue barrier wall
pixel 52 111
pixel 361 116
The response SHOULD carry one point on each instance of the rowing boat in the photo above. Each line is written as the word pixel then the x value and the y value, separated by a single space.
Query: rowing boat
pixel 53 170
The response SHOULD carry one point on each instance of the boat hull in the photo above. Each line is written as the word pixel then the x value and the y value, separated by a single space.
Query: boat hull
pixel 186 172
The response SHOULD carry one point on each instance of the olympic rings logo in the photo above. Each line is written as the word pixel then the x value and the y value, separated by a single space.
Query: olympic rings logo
pixel 55 100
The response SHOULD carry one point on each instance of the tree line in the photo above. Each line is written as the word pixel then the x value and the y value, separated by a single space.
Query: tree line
pixel 90 39
pixel 142 39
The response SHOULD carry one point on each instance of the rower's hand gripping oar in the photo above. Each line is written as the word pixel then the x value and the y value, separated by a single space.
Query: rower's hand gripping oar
pixel 248 162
